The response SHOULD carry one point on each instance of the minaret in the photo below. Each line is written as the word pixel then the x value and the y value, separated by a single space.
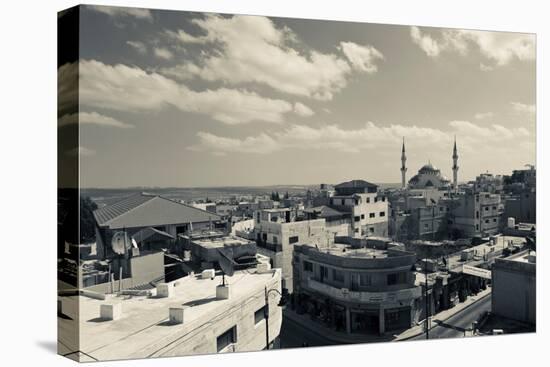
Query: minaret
pixel 403 166
pixel 455 167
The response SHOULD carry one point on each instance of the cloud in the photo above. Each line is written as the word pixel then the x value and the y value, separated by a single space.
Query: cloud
pixel 138 46
pixel 302 110
pixel 369 137
pixel 483 115
pixel 524 108
pixel 131 89
pixel 362 58
pixel 251 49
pixel 121 12
pixel 163 53
pixel 484 67
pixel 500 48
pixel 93 118
pixel 430 46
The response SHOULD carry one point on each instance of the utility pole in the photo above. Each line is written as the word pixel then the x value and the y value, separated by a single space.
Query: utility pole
pixel 266 311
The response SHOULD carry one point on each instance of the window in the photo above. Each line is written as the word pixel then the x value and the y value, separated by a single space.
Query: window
pixel 308 266
pixel 227 338
pixel 494 208
pixel 494 220
pixel 486 208
pixel 368 200
pixel 357 218
pixel 375 199
pixel 372 215
pixel 324 272
pixel 382 214
pixel 293 239
pixel 259 315
pixel 397 278
pixel 275 240
pixel 477 227
pixel 486 221
pixel 337 275
pixel 383 198
pixel 371 230
pixel 362 216
pixel 426 226
pixel 365 280
pixel 440 208
pixel 356 230
pixel 477 214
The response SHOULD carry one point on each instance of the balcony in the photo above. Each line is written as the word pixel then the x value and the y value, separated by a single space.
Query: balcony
pixel 346 295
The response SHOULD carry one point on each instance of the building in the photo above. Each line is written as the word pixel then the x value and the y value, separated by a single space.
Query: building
pixel 277 232
pixel 487 182
pixel 428 177
pixel 477 214
pixel 193 315
pixel 143 210
pixel 338 223
pixel 514 287
pixel 204 248
pixel 367 207
pixel 357 290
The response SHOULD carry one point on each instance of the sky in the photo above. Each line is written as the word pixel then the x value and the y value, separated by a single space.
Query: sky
pixel 181 99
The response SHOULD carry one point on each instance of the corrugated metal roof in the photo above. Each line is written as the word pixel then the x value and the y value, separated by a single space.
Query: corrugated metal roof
pixel 149 233
pixel 147 210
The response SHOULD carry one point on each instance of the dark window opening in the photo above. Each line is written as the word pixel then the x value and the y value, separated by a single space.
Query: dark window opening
pixel 227 338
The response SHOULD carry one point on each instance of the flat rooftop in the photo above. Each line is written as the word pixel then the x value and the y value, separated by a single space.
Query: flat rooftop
pixel 344 250
pixel 143 330
pixel 220 242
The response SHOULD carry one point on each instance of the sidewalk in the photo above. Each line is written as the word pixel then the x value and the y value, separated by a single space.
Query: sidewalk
pixel 332 335
pixel 343 338
pixel 442 316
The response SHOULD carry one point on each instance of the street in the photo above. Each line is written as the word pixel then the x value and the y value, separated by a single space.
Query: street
pixel 294 335
pixel 454 326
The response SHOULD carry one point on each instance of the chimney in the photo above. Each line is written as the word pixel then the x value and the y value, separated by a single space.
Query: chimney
pixel 111 311
pixel 176 315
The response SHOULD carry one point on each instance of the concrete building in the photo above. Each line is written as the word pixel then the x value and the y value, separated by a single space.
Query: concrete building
pixel 367 207
pixel 514 287
pixel 477 214
pixel 357 290
pixel 338 223
pixel 277 232
pixel 204 248
pixel 193 315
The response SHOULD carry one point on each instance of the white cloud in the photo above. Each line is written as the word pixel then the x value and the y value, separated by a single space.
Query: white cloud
pixel 302 110
pixel 251 49
pixel 362 58
pixel 163 53
pixel 93 118
pixel 498 47
pixel 368 137
pixel 116 12
pixel 129 88
pixel 138 46
pixel 484 67
pixel 483 115
pixel 425 42
pixel 524 108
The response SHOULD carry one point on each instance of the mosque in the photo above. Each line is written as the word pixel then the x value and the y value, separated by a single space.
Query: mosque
pixel 428 176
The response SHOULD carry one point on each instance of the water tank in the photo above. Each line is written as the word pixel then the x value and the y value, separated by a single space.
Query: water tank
pixel 511 222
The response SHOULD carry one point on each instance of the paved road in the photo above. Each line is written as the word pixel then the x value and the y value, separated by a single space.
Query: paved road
pixel 454 326
pixel 293 335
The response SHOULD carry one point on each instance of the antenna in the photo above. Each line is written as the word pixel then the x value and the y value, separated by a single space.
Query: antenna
pixel 227 264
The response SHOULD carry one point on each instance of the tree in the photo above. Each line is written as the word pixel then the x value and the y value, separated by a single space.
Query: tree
pixel 87 221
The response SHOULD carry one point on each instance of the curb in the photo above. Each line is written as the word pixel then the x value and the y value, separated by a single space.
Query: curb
pixel 418 334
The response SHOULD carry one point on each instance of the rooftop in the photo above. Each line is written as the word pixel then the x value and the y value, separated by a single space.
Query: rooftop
pixel 344 250
pixel 148 210
pixel 143 330
pixel 221 242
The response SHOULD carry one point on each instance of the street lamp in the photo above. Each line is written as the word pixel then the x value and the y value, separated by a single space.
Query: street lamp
pixel 281 303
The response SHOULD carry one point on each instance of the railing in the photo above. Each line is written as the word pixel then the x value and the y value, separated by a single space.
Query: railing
pixel 344 294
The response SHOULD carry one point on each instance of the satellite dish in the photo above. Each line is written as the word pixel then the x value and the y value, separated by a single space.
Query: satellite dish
pixel 120 243
pixel 227 264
